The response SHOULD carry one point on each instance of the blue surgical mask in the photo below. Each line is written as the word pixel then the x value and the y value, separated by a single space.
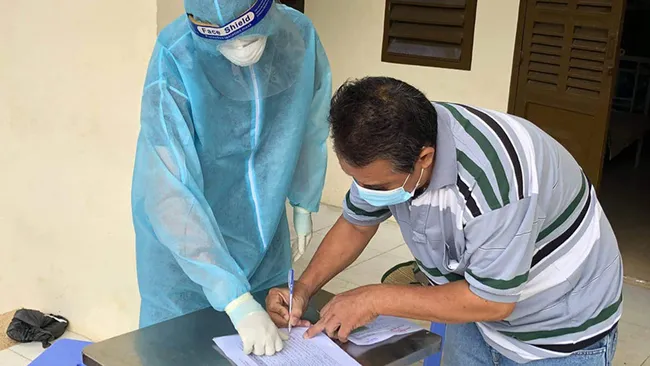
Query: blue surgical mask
pixel 388 198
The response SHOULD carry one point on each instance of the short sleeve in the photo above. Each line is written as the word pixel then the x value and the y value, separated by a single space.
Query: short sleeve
pixel 500 245
pixel 361 213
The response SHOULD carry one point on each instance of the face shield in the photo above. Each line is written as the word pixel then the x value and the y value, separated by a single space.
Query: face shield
pixel 264 48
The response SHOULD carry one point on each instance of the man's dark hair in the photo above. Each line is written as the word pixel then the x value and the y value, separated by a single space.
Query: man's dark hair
pixel 382 118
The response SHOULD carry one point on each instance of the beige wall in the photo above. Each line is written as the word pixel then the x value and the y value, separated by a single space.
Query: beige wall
pixel 351 31
pixel 71 75
pixel 168 10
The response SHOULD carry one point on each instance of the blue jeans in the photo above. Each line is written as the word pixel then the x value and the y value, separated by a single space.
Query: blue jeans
pixel 464 346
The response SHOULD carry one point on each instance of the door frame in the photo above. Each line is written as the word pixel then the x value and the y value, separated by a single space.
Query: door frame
pixel 517 55
pixel 517 59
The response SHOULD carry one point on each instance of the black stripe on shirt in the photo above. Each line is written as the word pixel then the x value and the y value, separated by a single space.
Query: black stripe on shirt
pixel 469 200
pixel 510 148
pixel 572 347
pixel 361 212
pixel 557 242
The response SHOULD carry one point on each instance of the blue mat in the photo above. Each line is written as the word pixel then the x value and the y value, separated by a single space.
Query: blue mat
pixel 435 359
pixel 64 352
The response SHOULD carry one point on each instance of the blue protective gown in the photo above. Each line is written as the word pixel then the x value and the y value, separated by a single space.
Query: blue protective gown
pixel 212 174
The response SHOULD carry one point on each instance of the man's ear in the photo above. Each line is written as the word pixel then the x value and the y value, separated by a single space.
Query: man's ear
pixel 426 157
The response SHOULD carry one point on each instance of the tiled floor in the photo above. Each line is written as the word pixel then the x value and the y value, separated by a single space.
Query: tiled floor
pixel 23 354
pixel 387 249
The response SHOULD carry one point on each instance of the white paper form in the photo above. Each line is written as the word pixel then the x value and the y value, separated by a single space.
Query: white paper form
pixel 297 351
pixel 381 329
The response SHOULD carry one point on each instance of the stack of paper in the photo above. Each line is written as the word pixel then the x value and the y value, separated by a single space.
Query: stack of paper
pixel 381 329
pixel 318 351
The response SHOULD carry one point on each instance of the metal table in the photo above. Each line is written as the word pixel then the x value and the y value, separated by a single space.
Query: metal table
pixel 187 341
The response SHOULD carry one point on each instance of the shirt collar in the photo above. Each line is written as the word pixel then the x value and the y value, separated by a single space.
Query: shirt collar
pixel 445 168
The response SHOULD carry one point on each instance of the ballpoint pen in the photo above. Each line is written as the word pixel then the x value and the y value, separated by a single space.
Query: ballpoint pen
pixel 290 281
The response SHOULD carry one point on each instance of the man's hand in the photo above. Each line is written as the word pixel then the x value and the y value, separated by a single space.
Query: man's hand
pixel 346 312
pixel 277 305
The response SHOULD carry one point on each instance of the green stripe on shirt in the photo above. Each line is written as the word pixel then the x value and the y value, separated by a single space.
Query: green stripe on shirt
pixel 435 272
pixel 500 284
pixel 605 314
pixel 362 212
pixel 487 148
pixel 481 179
pixel 566 213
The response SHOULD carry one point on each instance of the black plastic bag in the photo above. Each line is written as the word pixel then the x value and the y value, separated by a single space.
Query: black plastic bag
pixel 34 326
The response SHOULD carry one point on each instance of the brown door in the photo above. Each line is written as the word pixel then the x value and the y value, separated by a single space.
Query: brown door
pixel 564 71
pixel 296 4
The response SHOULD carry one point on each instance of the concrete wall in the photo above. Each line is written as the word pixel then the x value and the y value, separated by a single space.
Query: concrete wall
pixel 352 31
pixel 71 75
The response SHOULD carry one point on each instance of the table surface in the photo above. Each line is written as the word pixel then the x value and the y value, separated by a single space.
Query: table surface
pixel 187 340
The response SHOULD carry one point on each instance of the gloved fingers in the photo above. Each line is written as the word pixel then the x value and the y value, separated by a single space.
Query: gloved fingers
pixel 302 243
pixel 248 346
pixel 278 344
pixel 283 336
pixel 298 249
pixel 259 349
pixel 270 348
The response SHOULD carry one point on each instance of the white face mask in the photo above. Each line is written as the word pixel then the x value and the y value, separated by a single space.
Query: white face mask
pixel 244 51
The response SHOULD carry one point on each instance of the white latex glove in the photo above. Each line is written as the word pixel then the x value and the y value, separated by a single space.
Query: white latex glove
pixel 304 229
pixel 256 329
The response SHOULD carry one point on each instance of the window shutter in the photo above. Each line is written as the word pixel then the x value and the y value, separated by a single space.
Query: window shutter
pixel 429 32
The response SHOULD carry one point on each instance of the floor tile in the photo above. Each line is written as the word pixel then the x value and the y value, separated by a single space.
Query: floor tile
pixel 326 217
pixel 370 271
pixel 403 252
pixel 388 237
pixel 10 358
pixel 632 348
pixel 317 239
pixel 367 254
pixel 34 349
pixel 635 305
pixel 337 285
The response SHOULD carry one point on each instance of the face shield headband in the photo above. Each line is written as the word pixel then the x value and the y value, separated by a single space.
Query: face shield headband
pixel 235 27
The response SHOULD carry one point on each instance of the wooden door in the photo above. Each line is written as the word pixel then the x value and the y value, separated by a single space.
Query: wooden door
pixel 564 72
pixel 296 4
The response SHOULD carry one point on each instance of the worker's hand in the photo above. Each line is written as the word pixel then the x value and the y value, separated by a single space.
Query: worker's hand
pixel 277 305
pixel 256 329
pixel 346 312
pixel 302 223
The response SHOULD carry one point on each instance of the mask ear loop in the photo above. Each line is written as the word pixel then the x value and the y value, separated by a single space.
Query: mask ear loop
pixel 418 182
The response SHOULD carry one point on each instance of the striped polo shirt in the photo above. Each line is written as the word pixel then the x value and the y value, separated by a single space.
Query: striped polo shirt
pixel 510 211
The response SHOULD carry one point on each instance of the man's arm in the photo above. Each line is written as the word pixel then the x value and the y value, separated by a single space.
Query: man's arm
pixel 341 246
pixel 450 303
pixel 499 249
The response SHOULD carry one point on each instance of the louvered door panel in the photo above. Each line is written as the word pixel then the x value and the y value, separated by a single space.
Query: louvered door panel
pixel 564 82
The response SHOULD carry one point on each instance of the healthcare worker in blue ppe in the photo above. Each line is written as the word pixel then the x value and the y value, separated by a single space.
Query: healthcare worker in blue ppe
pixel 234 122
